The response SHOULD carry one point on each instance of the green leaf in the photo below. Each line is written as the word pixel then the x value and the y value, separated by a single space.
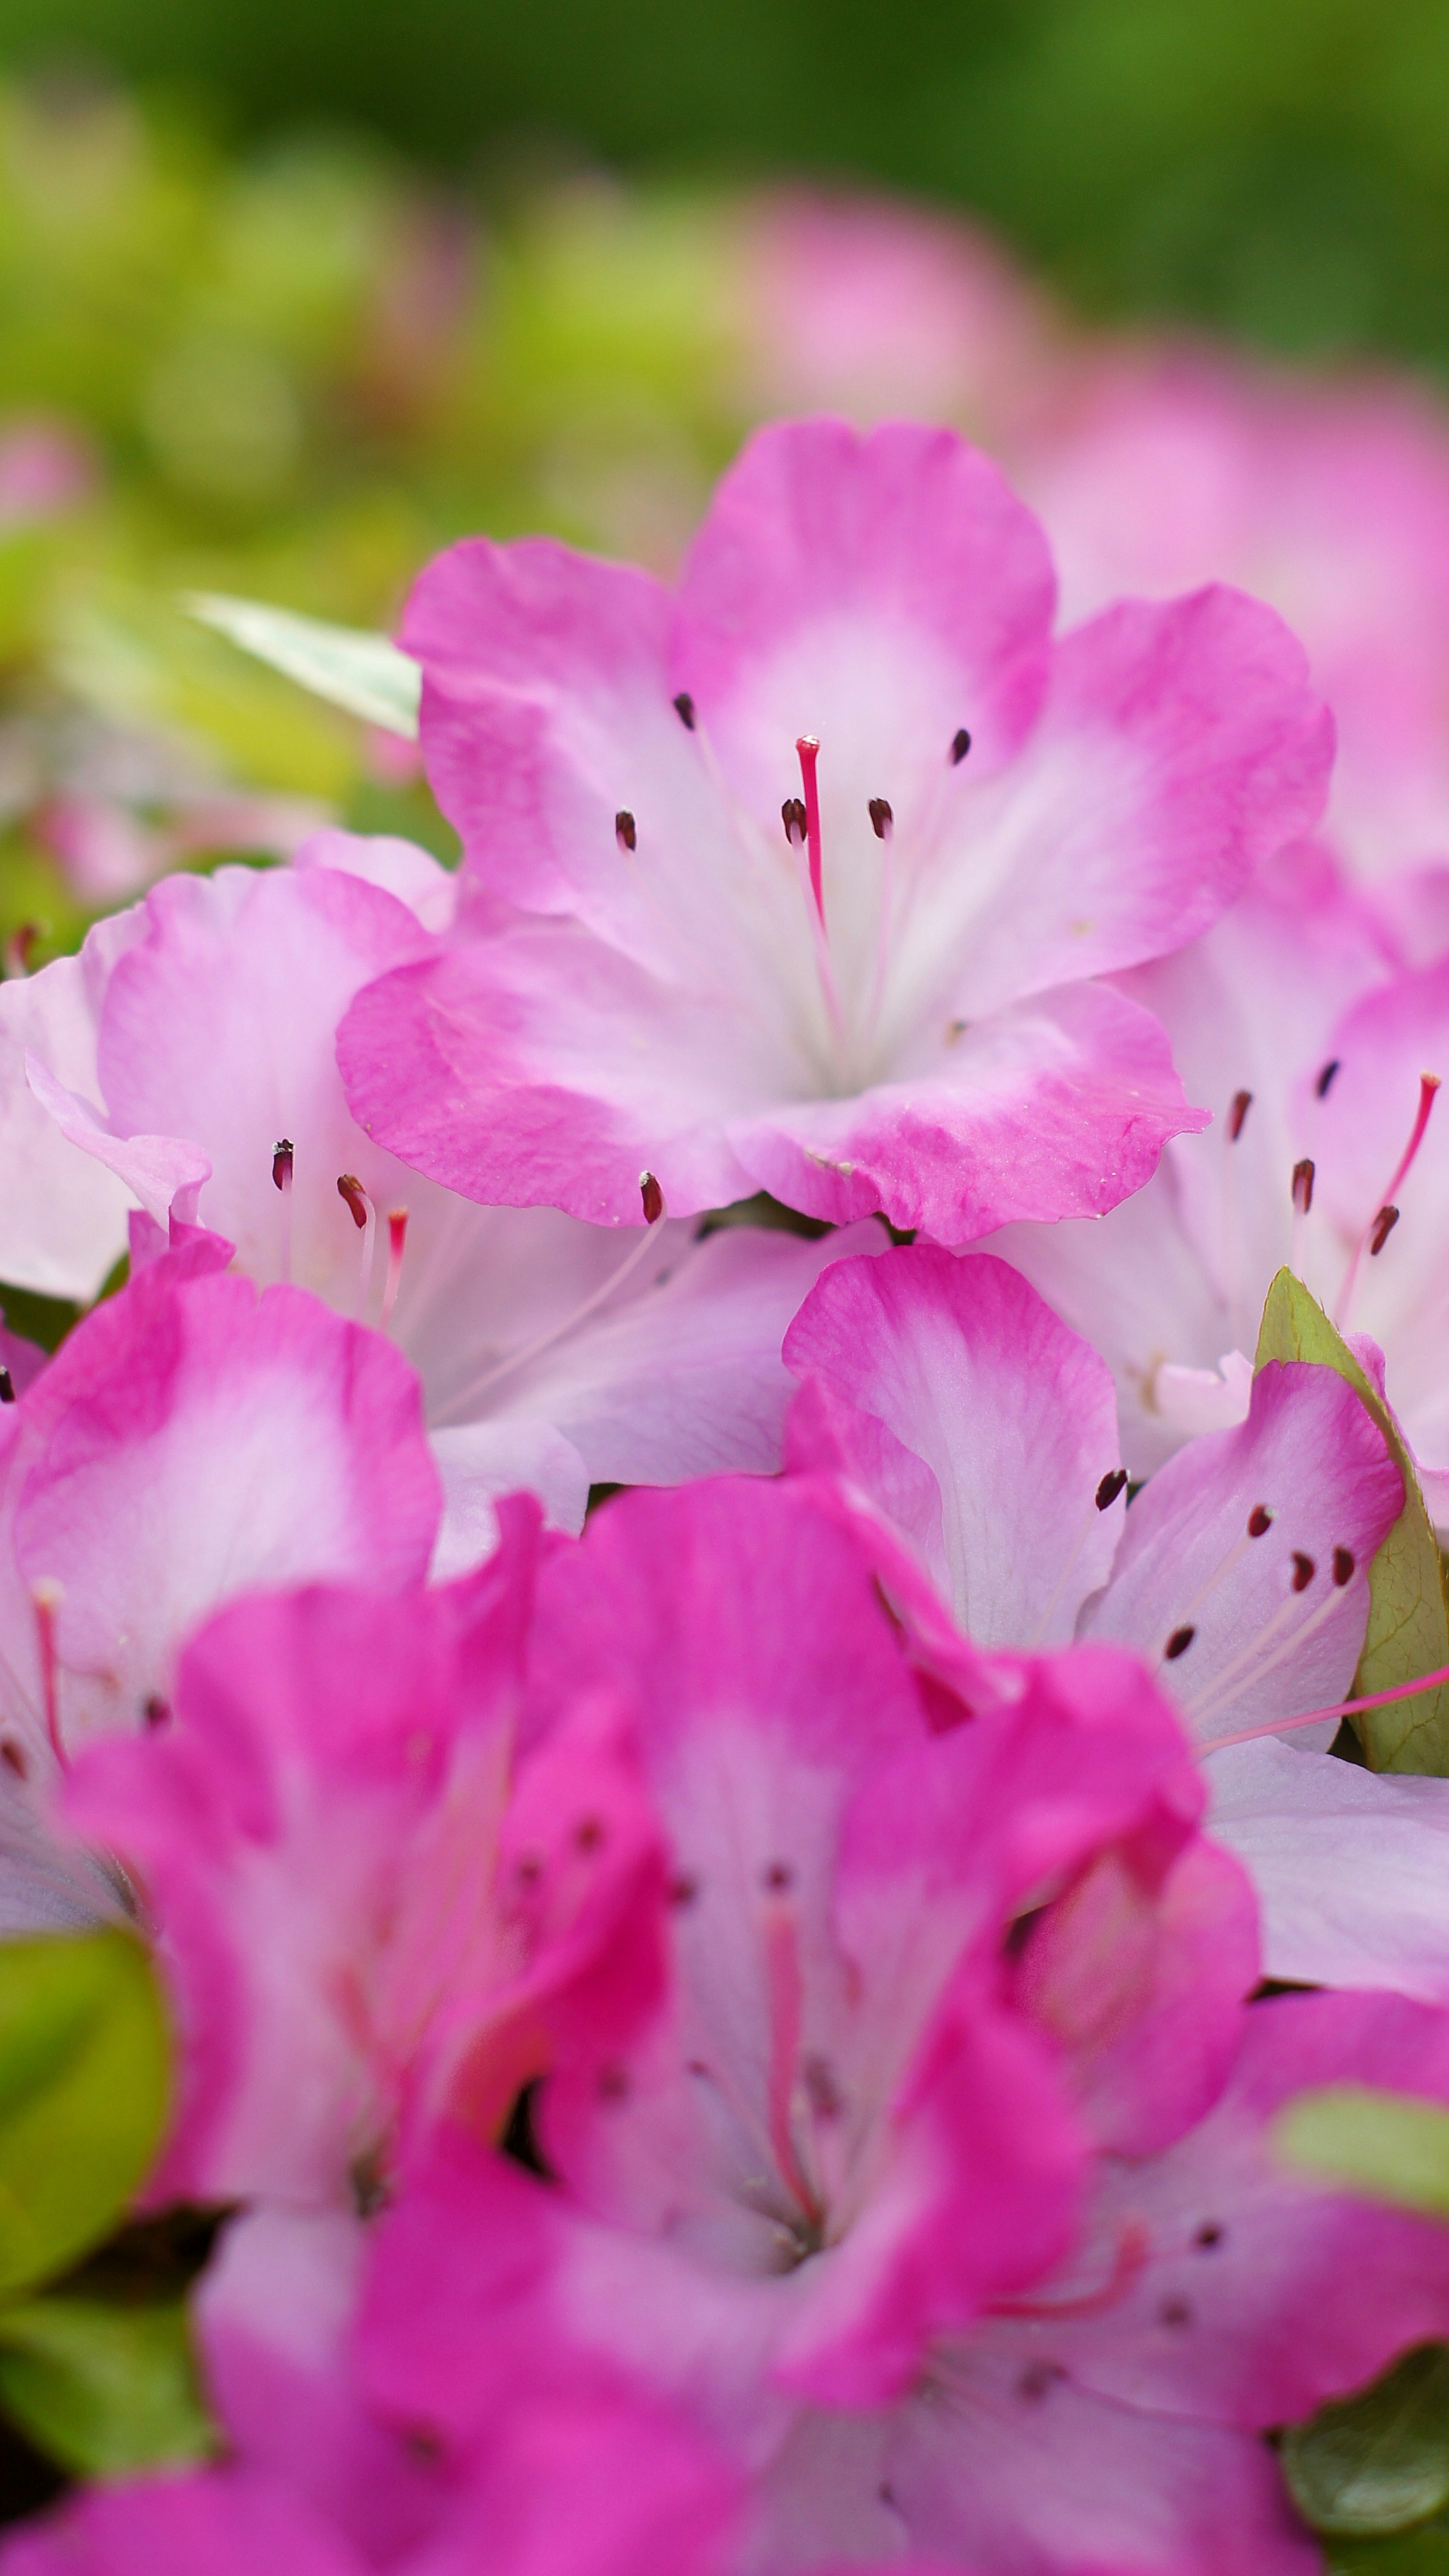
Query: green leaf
pixel 84 2090
pixel 1408 1623
pixel 366 674
pixel 1379 2461
pixel 1388 2145
pixel 1424 2552
pixel 104 2391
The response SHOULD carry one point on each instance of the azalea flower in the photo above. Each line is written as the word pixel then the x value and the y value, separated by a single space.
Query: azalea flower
pixel 940 2191
pixel 1328 1152
pixel 1166 469
pixel 184 1061
pixel 958 1407
pixel 801 877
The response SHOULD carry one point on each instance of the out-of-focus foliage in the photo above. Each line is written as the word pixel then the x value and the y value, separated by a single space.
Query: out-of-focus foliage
pixel 291 374
pixel 1283 171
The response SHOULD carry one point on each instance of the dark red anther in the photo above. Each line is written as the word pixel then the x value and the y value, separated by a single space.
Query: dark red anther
pixel 960 745
pixel 881 817
pixel 1110 1487
pixel 1382 1227
pixel 281 1162
pixel 625 832
pixel 1178 1643
pixel 7 1387
pixel 1303 1186
pixel 792 815
pixel 350 1188
pixel 1342 1566
pixel 1304 1570
pixel 1260 1521
pixel 652 1198
pixel 684 709
pixel 778 1877
pixel 156 1710
pixel 13 1757
pixel 1242 1102
pixel 1324 1083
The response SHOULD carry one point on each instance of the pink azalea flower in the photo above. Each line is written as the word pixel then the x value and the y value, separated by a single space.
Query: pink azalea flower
pixel 1327 1152
pixel 185 1061
pixel 366 1909
pixel 889 1002
pixel 957 1407
pixel 941 2190
pixel 598 2488
pixel 1166 469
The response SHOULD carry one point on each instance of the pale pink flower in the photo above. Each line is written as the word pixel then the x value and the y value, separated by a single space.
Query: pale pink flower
pixel 880 993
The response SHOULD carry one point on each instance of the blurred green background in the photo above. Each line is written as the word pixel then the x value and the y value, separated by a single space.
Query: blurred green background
pixel 294 291
pixel 1278 166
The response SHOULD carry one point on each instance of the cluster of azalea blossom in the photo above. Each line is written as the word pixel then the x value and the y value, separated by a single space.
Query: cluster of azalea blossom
pixel 740 2031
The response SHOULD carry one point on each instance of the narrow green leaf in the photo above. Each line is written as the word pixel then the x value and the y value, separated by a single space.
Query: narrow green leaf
pixel 103 2391
pixel 1388 2145
pixel 84 2087
pixel 1377 2462
pixel 366 674
pixel 1408 1623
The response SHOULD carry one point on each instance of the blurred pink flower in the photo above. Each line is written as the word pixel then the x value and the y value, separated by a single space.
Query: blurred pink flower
pixel 876 309
pixel 1328 498
pixel 45 466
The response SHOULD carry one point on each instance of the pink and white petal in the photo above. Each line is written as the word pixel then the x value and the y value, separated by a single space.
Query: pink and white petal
pixel 1132 1284
pixel 880 594
pixel 546 714
pixel 1179 747
pixel 478 1461
pixel 1350 1867
pixel 202 1442
pixel 1016 1418
pixel 685 1377
pixel 1011 2465
pixel 219 1026
pixel 544 1067
pixel 1222 2251
pixel 399 867
pixel 1057 1108
pixel 229 2521
pixel 273 2314
pixel 1252 1009
pixel 63 1218
pixel 1249 1625
pixel 165 1173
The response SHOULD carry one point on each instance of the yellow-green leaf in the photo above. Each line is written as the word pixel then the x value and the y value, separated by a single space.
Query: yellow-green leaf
pixel 1408 1623
pixel 1390 2146
pixel 104 2391
pixel 84 2090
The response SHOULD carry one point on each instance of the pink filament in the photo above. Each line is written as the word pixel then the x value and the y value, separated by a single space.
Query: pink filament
pixel 783 1986
pixel 808 747
pixel 1340 1708
pixel 1428 1086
